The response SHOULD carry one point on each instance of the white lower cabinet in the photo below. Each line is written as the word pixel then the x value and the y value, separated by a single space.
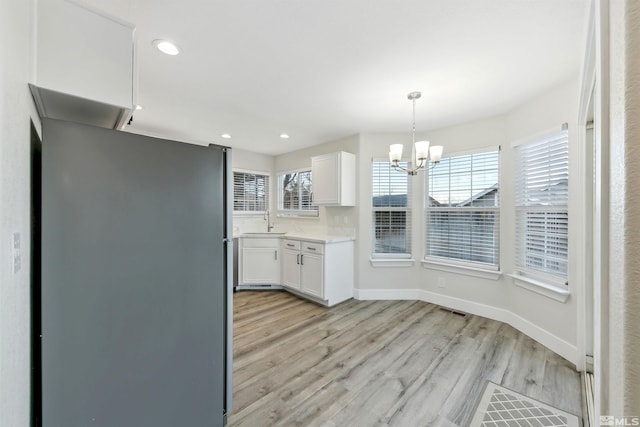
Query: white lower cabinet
pixel 259 261
pixel 312 274
pixel 322 272
pixel 291 264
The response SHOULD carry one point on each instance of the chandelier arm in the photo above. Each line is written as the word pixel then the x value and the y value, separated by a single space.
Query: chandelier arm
pixel 396 167
pixel 410 171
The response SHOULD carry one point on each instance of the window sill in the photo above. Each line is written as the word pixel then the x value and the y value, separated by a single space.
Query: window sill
pixel 460 269
pixel 390 262
pixel 542 288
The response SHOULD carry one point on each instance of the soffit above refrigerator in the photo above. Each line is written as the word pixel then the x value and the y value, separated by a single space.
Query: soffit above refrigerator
pixel 62 106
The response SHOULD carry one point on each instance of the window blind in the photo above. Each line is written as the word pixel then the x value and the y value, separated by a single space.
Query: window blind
pixel 462 210
pixel 391 210
pixel 542 198
pixel 250 192
pixel 295 193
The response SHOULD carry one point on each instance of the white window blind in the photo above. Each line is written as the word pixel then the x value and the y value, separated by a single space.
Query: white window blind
pixel 295 194
pixel 250 192
pixel 391 210
pixel 463 210
pixel 542 198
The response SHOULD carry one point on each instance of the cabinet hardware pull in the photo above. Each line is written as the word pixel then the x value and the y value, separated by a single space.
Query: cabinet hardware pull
pixel 290 245
pixel 311 249
pixel 301 259
pixel 298 259
pixel 275 254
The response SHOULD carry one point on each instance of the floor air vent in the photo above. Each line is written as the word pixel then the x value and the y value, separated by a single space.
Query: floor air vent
pixel 457 313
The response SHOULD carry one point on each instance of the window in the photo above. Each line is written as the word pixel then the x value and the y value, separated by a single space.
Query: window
pixel 295 194
pixel 463 210
pixel 250 192
pixel 391 211
pixel 542 197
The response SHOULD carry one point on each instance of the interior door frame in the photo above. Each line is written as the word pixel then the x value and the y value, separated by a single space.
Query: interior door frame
pixel 594 93
pixel 585 254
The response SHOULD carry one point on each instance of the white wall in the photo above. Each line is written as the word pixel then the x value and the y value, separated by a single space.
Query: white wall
pixel 544 319
pixel 255 162
pixel 546 113
pixel 623 370
pixel 331 220
pixel 16 107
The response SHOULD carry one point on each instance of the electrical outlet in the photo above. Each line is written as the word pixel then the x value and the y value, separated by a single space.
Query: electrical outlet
pixel 441 282
pixel 16 259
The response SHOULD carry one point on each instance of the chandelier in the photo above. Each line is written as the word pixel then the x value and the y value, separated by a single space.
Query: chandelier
pixel 420 151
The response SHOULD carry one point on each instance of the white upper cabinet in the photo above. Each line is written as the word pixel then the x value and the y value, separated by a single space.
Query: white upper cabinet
pixel 334 179
pixel 84 53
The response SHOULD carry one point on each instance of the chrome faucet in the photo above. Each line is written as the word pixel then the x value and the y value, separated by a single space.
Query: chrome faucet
pixel 267 217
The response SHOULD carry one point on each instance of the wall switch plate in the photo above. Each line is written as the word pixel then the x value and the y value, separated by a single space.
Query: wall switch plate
pixel 16 259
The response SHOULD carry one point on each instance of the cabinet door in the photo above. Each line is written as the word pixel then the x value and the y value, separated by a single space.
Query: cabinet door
pixel 98 59
pixel 326 179
pixel 291 268
pixel 260 265
pixel 313 274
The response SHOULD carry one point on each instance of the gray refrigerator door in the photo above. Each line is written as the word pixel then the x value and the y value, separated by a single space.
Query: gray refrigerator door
pixel 134 288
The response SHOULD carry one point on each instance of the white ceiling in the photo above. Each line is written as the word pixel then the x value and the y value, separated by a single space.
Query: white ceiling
pixel 320 70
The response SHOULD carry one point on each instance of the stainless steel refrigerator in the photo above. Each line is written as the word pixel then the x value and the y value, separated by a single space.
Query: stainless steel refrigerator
pixel 136 280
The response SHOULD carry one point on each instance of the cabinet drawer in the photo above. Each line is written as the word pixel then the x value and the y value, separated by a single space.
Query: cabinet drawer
pixel 260 243
pixel 312 248
pixel 291 244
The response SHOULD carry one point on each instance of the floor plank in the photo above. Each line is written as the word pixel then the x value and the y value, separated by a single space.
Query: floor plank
pixel 369 363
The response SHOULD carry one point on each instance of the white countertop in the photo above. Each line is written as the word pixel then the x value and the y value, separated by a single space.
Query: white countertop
pixel 319 238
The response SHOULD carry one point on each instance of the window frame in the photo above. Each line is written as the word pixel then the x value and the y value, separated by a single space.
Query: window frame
pixel 312 212
pixel 392 259
pixel 459 265
pixel 541 278
pixel 264 174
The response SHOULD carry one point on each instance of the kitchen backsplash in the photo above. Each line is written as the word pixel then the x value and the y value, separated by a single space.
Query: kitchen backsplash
pixel 332 222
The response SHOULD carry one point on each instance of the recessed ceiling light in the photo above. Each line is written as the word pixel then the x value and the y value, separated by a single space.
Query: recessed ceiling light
pixel 139 107
pixel 166 47
pixel 225 136
pixel 284 136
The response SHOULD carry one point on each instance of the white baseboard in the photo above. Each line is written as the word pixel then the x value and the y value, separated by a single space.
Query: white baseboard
pixel 552 342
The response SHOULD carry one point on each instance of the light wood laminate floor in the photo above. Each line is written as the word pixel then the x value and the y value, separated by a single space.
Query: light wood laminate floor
pixel 370 363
